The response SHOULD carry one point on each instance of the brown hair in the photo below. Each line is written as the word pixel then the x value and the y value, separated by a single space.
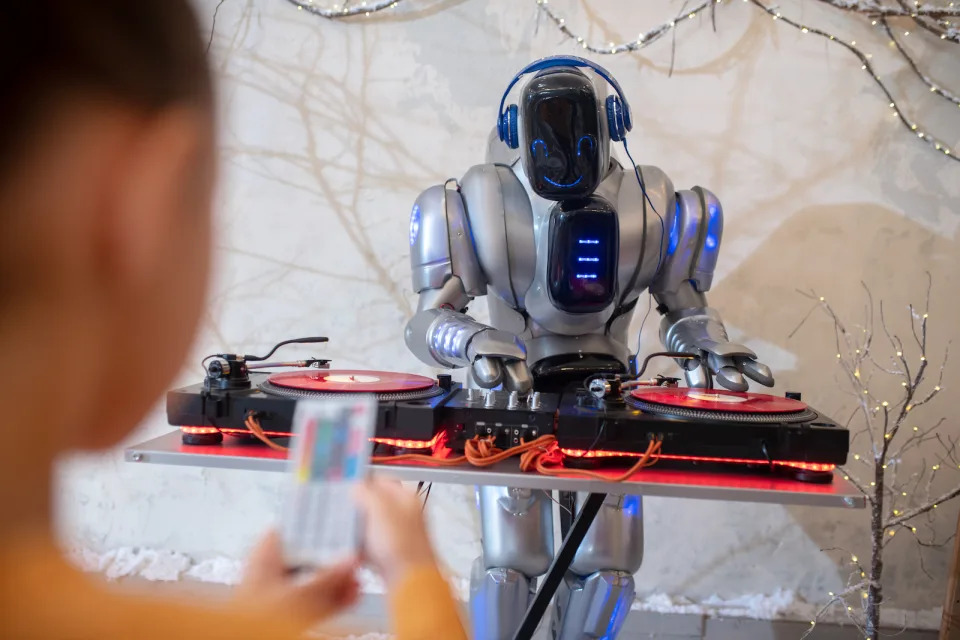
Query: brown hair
pixel 145 53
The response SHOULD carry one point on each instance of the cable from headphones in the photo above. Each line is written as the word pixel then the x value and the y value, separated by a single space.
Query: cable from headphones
pixel 663 227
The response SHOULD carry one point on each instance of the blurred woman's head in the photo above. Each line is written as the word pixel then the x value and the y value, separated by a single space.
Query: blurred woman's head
pixel 106 179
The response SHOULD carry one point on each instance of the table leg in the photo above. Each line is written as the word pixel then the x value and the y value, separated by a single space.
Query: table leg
pixel 561 562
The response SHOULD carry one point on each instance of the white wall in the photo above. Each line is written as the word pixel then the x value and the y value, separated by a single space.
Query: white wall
pixel 330 130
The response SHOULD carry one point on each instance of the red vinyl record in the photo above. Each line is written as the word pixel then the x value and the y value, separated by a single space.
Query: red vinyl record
pixel 355 381
pixel 718 400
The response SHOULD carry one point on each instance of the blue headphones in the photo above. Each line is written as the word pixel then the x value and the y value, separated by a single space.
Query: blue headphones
pixel 618 109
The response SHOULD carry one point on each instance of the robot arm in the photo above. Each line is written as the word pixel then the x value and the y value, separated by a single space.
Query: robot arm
pixel 688 324
pixel 447 276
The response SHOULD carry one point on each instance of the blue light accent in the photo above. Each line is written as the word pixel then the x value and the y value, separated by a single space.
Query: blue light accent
pixel 713 233
pixel 479 610
pixel 616 619
pixel 563 186
pixel 674 232
pixel 414 224
pixel 588 241
pixel 631 505
pixel 588 259
pixel 586 276
pixel 533 147
pixel 588 139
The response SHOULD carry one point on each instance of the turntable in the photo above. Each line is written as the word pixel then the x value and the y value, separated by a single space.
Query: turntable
pixel 608 420
pixel 702 426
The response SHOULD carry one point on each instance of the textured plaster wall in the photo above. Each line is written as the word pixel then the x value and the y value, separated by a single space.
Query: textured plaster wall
pixel 330 130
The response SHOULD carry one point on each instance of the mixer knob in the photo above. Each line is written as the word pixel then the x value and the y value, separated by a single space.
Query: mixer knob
pixel 534 400
pixel 514 401
pixel 473 395
pixel 491 399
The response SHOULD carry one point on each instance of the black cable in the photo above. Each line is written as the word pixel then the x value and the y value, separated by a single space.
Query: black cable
pixel 596 441
pixel 313 340
pixel 677 355
pixel 426 497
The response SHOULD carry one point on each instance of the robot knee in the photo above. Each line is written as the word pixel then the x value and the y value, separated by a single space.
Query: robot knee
pixel 498 600
pixel 615 540
pixel 593 607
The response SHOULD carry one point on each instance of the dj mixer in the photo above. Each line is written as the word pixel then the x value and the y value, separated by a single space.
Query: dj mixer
pixel 601 422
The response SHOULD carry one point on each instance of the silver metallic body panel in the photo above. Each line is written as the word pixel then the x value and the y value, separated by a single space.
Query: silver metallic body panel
pixel 517 529
pixel 695 227
pixel 498 600
pixel 502 224
pixel 615 541
pixel 441 242
pixel 592 607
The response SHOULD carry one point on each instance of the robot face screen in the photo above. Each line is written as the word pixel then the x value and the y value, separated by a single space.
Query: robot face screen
pixel 584 249
pixel 561 125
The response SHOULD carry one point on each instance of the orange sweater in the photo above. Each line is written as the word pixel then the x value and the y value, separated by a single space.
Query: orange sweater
pixel 42 596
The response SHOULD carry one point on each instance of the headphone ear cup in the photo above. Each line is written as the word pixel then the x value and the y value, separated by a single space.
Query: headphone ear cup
pixel 615 123
pixel 509 128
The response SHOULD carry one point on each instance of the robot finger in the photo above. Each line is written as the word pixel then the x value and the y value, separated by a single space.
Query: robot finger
pixel 516 376
pixel 699 377
pixel 730 378
pixel 487 372
pixel 756 371
pixel 728 375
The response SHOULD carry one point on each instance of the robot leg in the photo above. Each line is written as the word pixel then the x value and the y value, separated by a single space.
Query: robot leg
pixel 517 530
pixel 595 597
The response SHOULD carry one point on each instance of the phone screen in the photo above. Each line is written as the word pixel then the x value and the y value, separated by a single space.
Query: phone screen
pixel 330 453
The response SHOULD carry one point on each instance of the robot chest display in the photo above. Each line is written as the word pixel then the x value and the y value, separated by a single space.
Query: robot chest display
pixel 582 252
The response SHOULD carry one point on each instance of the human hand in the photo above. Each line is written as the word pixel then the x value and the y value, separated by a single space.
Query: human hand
pixel 395 535
pixel 315 595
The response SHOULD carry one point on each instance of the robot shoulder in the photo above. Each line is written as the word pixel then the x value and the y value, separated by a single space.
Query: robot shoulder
pixel 656 184
pixel 695 228
pixel 501 219
pixel 441 243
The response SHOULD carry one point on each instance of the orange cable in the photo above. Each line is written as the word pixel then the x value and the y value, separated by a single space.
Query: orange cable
pixel 254 426
pixel 535 455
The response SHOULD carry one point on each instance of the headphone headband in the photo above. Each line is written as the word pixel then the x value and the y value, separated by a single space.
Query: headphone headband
pixel 570 61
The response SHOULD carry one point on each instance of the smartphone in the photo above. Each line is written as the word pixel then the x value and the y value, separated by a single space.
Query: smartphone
pixel 330 453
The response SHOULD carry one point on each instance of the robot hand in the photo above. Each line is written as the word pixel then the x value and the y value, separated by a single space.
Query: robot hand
pixel 701 332
pixel 497 357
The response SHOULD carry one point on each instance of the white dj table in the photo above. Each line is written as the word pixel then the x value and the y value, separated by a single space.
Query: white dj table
pixel 732 486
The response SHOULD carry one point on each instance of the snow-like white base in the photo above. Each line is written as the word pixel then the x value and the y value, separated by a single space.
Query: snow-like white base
pixel 782 604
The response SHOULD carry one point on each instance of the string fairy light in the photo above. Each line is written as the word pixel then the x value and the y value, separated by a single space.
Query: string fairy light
pixel 937 145
pixel 644 39
pixel 933 86
pixel 865 7
pixel 647 38
pixel 346 10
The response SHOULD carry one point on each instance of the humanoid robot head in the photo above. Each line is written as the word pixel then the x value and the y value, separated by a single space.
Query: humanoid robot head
pixel 564 145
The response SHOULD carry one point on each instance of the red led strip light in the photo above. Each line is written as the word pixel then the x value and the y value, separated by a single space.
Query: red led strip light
pixel 393 442
pixel 573 453
pixel 409 444
pixel 806 466
pixel 199 431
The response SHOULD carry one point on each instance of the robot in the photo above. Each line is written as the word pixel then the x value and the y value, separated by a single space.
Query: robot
pixel 562 239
